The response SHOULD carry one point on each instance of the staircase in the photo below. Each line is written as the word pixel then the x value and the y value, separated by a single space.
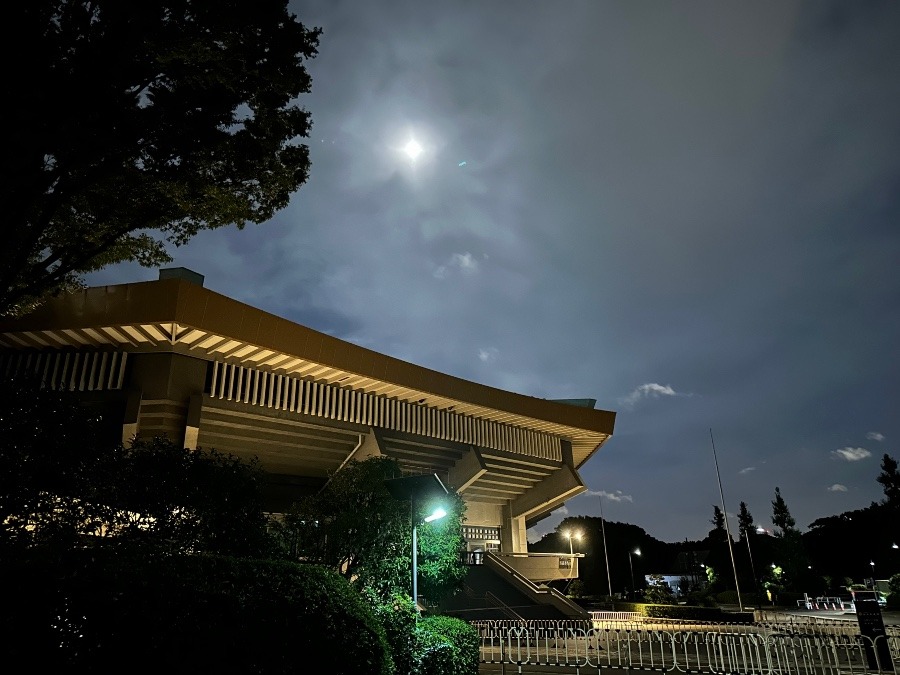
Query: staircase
pixel 494 590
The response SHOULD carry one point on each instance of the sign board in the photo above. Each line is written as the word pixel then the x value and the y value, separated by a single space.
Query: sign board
pixel 565 563
pixel 871 628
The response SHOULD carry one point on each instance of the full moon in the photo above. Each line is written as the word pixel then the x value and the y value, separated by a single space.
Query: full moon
pixel 412 149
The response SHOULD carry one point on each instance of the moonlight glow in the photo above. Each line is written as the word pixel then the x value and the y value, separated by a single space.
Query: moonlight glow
pixel 412 149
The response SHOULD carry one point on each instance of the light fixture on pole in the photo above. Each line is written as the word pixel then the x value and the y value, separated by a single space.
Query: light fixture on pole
pixel 418 489
pixel 605 551
pixel 636 551
pixel 568 534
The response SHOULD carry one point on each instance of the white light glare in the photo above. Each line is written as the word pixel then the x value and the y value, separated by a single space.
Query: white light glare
pixel 412 149
pixel 438 513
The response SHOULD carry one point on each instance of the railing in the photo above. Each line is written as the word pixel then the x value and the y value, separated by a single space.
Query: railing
pixel 545 594
pixel 572 645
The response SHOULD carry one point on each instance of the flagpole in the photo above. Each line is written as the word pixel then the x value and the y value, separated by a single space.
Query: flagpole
pixel 737 586
pixel 605 551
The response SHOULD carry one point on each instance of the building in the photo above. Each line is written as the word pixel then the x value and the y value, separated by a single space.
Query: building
pixel 172 357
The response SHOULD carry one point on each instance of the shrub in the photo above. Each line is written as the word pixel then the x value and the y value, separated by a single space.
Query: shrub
pixel 102 612
pixel 446 645
pixel 684 612
pixel 727 597
pixel 397 615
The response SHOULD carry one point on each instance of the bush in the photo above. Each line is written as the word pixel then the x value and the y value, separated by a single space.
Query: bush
pixel 727 597
pixel 102 612
pixel 397 615
pixel 684 612
pixel 446 645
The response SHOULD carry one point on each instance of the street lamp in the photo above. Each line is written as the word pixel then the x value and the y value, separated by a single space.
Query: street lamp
pixel 426 487
pixel 568 535
pixel 636 551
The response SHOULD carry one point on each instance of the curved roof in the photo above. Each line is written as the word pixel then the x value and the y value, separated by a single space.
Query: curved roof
pixel 177 315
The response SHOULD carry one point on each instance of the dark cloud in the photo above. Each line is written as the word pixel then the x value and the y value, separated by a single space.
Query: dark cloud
pixel 701 197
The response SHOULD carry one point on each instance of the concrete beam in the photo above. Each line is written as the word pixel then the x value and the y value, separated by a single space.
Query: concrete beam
pixel 370 445
pixel 549 494
pixel 467 470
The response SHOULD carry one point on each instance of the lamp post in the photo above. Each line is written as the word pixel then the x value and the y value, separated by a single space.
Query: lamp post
pixel 636 551
pixel 568 534
pixel 425 487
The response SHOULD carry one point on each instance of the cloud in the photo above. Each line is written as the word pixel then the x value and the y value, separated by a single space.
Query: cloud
pixel 617 496
pixel 875 436
pixel 649 390
pixel 851 454
pixel 464 262
pixel 487 354
pixel 747 469
pixel 837 487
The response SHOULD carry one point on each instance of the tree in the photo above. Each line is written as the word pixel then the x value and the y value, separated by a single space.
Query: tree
pixel 718 523
pixel 658 591
pixel 745 521
pixel 375 551
pixel 781 515
pixel 890 479
pixel 133 126
pixel 62 485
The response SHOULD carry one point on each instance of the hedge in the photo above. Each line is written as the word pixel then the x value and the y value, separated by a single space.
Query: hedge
pixel 102 612
pixel 446 645
pixel 684 612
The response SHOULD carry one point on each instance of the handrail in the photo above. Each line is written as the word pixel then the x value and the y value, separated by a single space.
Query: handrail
pixel 503 607
pixel 544 595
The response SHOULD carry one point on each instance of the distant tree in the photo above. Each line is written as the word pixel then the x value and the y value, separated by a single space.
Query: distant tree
pixel 745 521
pixel 781 515
pixel 890 480
pixel 133 125
pixel 718 533
pixel 658 591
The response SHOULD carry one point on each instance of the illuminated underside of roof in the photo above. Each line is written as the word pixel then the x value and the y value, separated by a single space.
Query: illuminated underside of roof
pixel 174 315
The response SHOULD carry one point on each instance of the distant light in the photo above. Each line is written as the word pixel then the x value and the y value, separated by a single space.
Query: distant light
pixel 412 149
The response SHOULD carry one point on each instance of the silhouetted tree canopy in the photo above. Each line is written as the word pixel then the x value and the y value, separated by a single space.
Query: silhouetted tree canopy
pixel 781 515
pixel 63 485
pixel 890 479
pixel 133 125
pixel 745 521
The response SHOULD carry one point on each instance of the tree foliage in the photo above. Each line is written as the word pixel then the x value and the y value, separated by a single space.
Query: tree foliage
pixel 355 526
pixel 745 521
pixel 890 480
pixel 134 125
pixel 62 485
pixel 718 523
pixel 658 591
pixel 781 515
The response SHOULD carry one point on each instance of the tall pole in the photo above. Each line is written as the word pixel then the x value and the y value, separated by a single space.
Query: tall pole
pixel 737 586
pixel 412 517
pixel 631 566
pixel 605 551
pixel 752 567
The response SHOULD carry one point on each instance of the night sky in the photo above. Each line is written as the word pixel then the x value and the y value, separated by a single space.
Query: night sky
pixel 688 211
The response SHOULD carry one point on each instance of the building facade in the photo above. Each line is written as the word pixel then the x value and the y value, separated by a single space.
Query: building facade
pixel 172 357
